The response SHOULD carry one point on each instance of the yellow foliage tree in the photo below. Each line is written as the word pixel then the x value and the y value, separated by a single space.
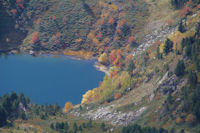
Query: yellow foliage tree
pixel 190 119
pixel 68 106
pixel 91 35
pixel 114 7
pixel 87 97
pixel 103 59
pixel 179 120
pixel 95 41
pixel 101 3
pixel 127 48
pixel 161 47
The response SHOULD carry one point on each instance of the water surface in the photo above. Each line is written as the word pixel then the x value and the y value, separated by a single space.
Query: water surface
pixel 46 79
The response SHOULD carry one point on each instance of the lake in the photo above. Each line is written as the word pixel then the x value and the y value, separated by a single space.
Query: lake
pixel 47 79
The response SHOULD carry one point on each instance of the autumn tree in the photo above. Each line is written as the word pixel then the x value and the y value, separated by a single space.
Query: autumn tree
pixel 131 39
pixel 186 11
pixel 68 107
pixel 117 96
pixel 179 120
pixel 115 57
pixel 103 59
pixel 111 20
pixel 190 119
pixel 90 95
pixel 34 38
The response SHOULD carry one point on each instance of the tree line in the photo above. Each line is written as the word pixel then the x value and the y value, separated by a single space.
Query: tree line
pixel 12 106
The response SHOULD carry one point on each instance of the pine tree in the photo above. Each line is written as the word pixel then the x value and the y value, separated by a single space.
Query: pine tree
pixel 75 127
pixel 181 27
pixel 3 117
pixel 168 46
pixel 80 128
pixel 192 78
pixel 52 126
pixel 66 126
pixel 180 68
pixel 103 126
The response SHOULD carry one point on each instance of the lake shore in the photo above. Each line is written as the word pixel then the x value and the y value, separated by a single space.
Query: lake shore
pixel 78 55
pixel 102 68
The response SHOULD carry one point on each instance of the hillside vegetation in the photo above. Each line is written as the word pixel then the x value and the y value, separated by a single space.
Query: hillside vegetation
pixel 151 49
pixel 78 25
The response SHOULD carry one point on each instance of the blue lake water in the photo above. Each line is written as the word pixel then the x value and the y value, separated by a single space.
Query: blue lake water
pixel 46 79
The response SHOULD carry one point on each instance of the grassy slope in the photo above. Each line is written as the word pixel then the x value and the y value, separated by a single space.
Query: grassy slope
pixel 140 96
pixel 39 126
pixel 79 24
pixel 151 116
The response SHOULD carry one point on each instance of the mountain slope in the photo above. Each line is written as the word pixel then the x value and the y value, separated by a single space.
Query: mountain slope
pixel 151 51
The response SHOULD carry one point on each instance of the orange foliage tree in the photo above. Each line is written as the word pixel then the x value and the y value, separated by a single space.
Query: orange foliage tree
pixel 13 11
pixel 68 106
pixel 198 6
pixel 186 11
pixel 122 22
pixel 38 21
pixel 34 38
pixel 113 74
pixel 117 95
pixel 111 20
pixel 99 35
pixel 115 57
pixel 131 39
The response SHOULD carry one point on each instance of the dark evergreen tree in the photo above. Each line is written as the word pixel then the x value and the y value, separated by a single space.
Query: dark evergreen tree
pixel 188 49
pixel 130 66
pixel 169 98
pixel 192 78
pixel 168 46
pixel 89 124
pixel 177 4
pixel 57 126
pixel 52 126
pixel 139 129
pixel 180 68
pixel 23 116
pixel 80 128
pixel 182 131
pixel 3 117
pixel 84 125
pixel 66 126
pixel 103 126
pixel 75 127
pixel 181 27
